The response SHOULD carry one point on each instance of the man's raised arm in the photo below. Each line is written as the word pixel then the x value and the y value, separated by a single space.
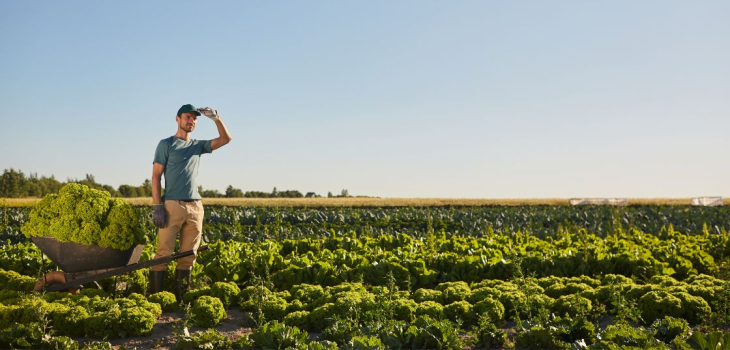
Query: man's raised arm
pixel 224 136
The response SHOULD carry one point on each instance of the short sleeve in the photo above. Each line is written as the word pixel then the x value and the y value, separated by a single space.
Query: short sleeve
pixel 207 147
pixel 161 153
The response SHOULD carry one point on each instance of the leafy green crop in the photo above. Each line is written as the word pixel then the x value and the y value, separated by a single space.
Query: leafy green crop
pixel 275 335
pixel 23 258
pixel 86 216
pixel 207 311
pixel 414 278
pixel 209 339
pixel 137 321
pixel 11 280
pixel 166 300
pixel 103 324
pixel 227 292
pixel 81 315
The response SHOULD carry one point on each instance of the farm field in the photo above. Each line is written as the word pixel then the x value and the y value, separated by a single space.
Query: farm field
pixel 368 202
pixel 450 276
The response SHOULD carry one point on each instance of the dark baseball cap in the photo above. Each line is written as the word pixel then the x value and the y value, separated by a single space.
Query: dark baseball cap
pixel 188 109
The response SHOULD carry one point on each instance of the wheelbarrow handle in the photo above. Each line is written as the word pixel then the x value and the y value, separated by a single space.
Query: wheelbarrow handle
pixel 123 270
pixel 163 259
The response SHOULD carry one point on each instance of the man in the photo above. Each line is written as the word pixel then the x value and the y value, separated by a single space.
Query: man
pixel 180 210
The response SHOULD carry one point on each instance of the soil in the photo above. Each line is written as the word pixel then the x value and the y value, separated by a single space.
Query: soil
pixel 164 332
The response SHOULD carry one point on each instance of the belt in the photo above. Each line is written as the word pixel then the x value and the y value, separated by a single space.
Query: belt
pixel 189 200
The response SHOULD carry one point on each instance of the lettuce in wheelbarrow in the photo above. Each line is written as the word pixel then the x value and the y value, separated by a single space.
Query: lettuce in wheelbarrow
pixel 86 216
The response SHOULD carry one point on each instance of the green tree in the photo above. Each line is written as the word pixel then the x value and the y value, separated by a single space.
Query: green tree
pixel 256 194
pixel 290 194
pixel 50 185
pixel 12 184
pixel 146 188
pixel 41 186
pixel 209 193
pixel 111 190
pixel 233 192
pixel 128 191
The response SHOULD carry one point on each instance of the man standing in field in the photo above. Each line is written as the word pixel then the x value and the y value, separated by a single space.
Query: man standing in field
pixel 180 210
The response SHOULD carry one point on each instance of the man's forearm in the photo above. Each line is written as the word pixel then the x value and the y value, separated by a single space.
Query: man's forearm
pixel 223 132
pixel 224 136
pixel 156 191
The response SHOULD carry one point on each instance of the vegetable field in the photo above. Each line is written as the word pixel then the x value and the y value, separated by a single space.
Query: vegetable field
pixel 483 277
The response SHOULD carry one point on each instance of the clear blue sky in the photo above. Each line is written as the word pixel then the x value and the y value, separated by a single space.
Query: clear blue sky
pixel 487 99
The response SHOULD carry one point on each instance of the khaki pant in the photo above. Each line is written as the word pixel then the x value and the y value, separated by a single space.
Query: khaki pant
pixel 186 219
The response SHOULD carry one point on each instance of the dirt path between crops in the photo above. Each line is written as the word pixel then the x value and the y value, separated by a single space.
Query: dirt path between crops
pixel 164 332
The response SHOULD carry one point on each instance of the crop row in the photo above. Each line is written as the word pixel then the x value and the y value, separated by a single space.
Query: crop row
pixel 554 312
pixel 223 223
pixel 425 261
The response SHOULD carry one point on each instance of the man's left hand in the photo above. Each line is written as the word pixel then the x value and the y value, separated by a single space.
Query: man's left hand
pixel 159 216
pixel 210 113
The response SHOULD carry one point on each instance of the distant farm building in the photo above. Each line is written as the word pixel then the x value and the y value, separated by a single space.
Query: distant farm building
pixel 707 201
pixel 599 201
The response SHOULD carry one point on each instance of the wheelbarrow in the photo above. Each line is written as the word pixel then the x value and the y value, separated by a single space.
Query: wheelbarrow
pixel 81 264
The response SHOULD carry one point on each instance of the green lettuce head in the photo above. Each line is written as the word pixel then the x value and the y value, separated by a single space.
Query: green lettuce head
pixel 86 216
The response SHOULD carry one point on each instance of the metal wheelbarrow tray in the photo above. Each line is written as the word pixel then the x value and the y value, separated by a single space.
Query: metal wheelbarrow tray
pixel 84 264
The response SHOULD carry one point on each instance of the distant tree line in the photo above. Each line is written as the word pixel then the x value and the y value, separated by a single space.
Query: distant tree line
pixel 15 184
pixel 232 192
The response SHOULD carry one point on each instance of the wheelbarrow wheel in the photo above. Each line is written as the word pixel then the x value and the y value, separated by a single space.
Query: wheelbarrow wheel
pixel 51 279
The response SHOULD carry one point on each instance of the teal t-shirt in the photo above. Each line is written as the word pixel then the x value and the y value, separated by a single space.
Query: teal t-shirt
pixel 181 159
